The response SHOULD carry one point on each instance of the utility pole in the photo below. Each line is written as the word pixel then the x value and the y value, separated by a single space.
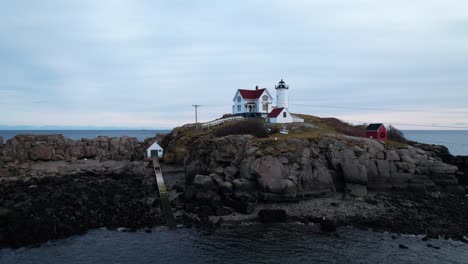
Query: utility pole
pixel 196 112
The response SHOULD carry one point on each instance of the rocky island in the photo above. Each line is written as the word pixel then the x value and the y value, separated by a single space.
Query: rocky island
pixel 52 187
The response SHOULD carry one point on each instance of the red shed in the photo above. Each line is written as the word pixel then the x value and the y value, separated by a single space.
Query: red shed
pixel 377 131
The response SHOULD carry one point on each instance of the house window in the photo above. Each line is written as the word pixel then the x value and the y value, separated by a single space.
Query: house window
pixel 238 99
pixel 265 98
pixel 265 107
pixel 238 108
pixel 284 114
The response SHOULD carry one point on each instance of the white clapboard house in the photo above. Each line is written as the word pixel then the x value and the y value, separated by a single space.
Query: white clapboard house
pixel 258 103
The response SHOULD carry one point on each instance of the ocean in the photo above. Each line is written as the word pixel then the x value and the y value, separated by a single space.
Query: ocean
pixel 254 244
pixel 79 134
pixel 455 140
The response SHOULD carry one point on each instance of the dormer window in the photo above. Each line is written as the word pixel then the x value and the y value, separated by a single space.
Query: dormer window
pixel 238 99
pixel 265 98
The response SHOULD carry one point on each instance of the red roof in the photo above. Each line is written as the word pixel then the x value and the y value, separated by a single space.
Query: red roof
pixel 275 112
pixel 251 94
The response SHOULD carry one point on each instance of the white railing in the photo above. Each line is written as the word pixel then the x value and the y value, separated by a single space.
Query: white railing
pixel 218 122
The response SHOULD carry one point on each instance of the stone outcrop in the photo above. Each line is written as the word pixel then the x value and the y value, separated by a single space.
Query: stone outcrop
pixel 57 147
pixel 20 153
pixel 250 170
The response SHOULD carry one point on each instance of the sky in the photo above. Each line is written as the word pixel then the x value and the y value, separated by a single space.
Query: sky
pixel 143 64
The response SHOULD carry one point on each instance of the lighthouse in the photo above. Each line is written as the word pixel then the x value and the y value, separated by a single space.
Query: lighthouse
pixel 282 95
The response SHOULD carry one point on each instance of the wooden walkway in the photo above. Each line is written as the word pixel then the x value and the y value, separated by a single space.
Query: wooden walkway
pixel 165 203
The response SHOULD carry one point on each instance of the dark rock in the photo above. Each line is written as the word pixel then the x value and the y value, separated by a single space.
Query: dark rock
pixel 204 182
pixel 205 196
pixel 205 211
pixel 245 168
pixel 273 216
pixel 444 179
pixel 328 225
pixel 244 185
pixel 230 172
pixel 455 189
pixel 269 174
pixel 178 188
pixel 432 246
pixel 226 188
pixel 402 246
pixel 244 207
pixel 223 211
pixel 354 172
pixel 178 203
pixel 357 190
pixel 189 193
pixel 370 200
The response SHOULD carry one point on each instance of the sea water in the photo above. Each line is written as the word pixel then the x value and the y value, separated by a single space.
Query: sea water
pixel 455 140
pixel 79 134
pixel 255 244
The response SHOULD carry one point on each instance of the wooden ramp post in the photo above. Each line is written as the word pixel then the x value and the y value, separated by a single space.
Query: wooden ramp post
pixel 165 204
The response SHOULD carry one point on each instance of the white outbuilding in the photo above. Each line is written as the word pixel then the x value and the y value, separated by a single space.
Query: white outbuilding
pixel 154 151
pixel 280 116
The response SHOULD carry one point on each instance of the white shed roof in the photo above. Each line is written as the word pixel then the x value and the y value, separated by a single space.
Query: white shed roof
pixel 155 145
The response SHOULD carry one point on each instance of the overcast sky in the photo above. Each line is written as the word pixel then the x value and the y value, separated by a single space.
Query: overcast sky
pixel 142 64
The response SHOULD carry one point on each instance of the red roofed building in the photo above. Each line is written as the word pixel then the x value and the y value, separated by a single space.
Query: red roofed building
pixel 280 116
pixel 377 131
pixel 252 103
pixel 258 103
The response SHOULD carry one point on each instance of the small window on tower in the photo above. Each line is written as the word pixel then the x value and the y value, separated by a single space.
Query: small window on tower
pixel 284 114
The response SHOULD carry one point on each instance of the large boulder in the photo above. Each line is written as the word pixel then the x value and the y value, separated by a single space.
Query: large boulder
pixel 272 216
pixel 392 155
pixel 204 182
pixel 269 173
pixel 41 152
pixel 313 177
pixel 245 168
pixel 229 149
pixel 357 190
pixel 444 179
pixel 230 172
pixel 443 168
pixel 354 172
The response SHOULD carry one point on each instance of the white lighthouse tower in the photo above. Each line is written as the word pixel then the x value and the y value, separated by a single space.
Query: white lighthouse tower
pixel 282 99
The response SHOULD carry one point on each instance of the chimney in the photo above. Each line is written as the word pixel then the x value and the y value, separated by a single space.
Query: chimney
pixel 256 87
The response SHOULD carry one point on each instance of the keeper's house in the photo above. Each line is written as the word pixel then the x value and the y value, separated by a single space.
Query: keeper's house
pixel 252 103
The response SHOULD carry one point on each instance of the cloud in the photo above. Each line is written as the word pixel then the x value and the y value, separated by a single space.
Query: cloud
pixel 148 61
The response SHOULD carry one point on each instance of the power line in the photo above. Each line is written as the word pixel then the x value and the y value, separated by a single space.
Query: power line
pixel 376 109
pixel 441 142
pixel 401 124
